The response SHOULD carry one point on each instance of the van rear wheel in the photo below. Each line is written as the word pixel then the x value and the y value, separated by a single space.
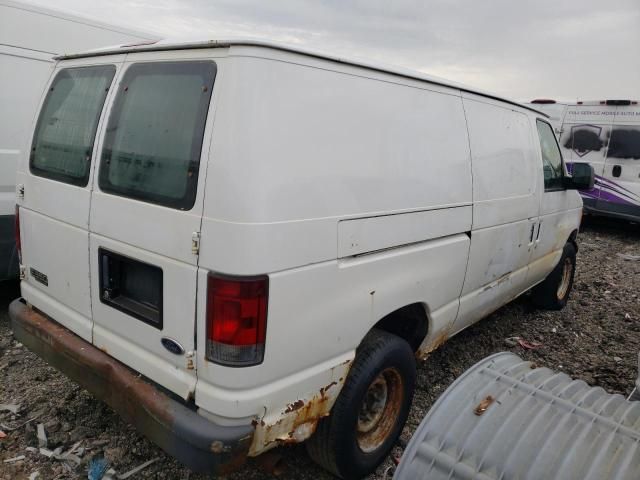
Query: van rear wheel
pixel 553 292
pixel 370 411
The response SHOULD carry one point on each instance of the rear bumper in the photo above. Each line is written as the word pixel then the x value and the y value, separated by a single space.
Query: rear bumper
pixel 8 253
pixel 180 431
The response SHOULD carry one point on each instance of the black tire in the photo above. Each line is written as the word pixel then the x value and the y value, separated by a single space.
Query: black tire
pixel 549 294
pixel 337 445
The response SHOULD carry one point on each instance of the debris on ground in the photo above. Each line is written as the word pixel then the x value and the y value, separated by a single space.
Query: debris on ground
pixel 42 436
pixel 139 468
pixel 529 345
pixel 98 467
pixel 10 428
pixel 511 341
pixel 514 341
pixel 15 459
pixel 9 407
pixel 626 256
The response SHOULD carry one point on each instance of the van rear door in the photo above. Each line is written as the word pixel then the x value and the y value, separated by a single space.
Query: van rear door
pixel 146 213
pixel 56 183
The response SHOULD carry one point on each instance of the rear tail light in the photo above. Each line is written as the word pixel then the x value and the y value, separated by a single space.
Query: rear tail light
pixel 17 234
pixel 236 319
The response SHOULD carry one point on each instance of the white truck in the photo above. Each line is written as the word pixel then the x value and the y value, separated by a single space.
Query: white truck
pixel 29 37
pixel 240 244
pixel 605 134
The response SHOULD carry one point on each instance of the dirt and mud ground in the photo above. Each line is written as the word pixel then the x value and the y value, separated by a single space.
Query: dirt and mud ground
pixel 595 338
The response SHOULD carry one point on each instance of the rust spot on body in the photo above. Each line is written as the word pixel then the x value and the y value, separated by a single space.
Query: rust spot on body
pixel 436 343
pixel 323 390
pixel 484 405
pixel 298 421
pixel 292 407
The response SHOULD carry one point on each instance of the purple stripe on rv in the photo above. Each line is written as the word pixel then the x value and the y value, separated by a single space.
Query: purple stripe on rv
pixel 610 197
pixel 616 191
pixel 606 181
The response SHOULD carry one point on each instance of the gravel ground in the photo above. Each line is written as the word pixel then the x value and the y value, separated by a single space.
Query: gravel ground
pixel 595 338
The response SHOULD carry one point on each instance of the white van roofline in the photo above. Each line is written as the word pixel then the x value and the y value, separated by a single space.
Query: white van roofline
pixel 74 17
pixel 173 44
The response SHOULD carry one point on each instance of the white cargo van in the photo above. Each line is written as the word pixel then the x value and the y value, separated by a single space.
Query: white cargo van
pixel 240 244
pixel 29 37
pixel 605 134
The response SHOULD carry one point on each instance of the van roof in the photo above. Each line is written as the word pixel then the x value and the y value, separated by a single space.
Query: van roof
pixel 75 18
pixel 586 103
pixel 172 44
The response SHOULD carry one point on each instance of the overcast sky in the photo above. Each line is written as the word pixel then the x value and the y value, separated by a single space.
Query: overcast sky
pixel 563 49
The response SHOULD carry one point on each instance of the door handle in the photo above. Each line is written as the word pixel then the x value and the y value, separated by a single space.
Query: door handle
pixel 617 170
pixel 533 229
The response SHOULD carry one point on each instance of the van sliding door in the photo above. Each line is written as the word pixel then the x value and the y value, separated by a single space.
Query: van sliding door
pixel 146 213
pixel 505 207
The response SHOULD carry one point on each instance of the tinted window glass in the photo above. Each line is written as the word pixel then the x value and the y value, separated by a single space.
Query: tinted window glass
pixel 66 129
pixel 625 143
pixel 551 157
pixel 154 136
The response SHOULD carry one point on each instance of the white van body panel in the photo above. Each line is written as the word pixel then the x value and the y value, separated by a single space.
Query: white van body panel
pixel 358 192
pixel 254 123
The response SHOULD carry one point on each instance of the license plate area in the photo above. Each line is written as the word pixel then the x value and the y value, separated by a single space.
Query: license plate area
pixel 131 286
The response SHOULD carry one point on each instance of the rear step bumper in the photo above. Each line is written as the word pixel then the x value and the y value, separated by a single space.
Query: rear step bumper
pixel 194 440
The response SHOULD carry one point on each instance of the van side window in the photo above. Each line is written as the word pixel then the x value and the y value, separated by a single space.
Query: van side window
pixel 154 137
pixel 551 157
pixel 66 128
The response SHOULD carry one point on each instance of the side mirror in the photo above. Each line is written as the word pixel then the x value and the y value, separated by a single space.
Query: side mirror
pixel 582 177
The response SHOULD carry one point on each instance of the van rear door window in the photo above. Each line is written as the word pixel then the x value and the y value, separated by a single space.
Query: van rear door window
pixel 551 157
pixel 66 128
pixel 154 137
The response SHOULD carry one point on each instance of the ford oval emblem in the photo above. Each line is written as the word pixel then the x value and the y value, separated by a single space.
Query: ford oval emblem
pixel 171 345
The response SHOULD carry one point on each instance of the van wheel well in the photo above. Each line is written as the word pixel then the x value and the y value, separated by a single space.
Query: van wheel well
pixel 573 239
pixel 409 323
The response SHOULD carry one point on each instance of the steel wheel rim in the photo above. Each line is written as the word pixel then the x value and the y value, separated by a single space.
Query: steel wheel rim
pixel 563 288
pixel 379 410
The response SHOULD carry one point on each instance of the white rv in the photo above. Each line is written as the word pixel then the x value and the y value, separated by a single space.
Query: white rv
pixel 605 134
pixel 29 37
pixel 239 244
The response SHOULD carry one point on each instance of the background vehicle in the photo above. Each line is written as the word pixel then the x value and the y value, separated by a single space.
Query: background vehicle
pixel 29 37
pixel 605 134
pixel 273 235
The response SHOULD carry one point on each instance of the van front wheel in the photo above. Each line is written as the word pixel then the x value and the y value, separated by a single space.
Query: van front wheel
pixel 370 411
pixel 553 292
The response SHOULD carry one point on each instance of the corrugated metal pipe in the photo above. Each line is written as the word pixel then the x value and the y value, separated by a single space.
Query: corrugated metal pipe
pixel 635 395
pixel 504 418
